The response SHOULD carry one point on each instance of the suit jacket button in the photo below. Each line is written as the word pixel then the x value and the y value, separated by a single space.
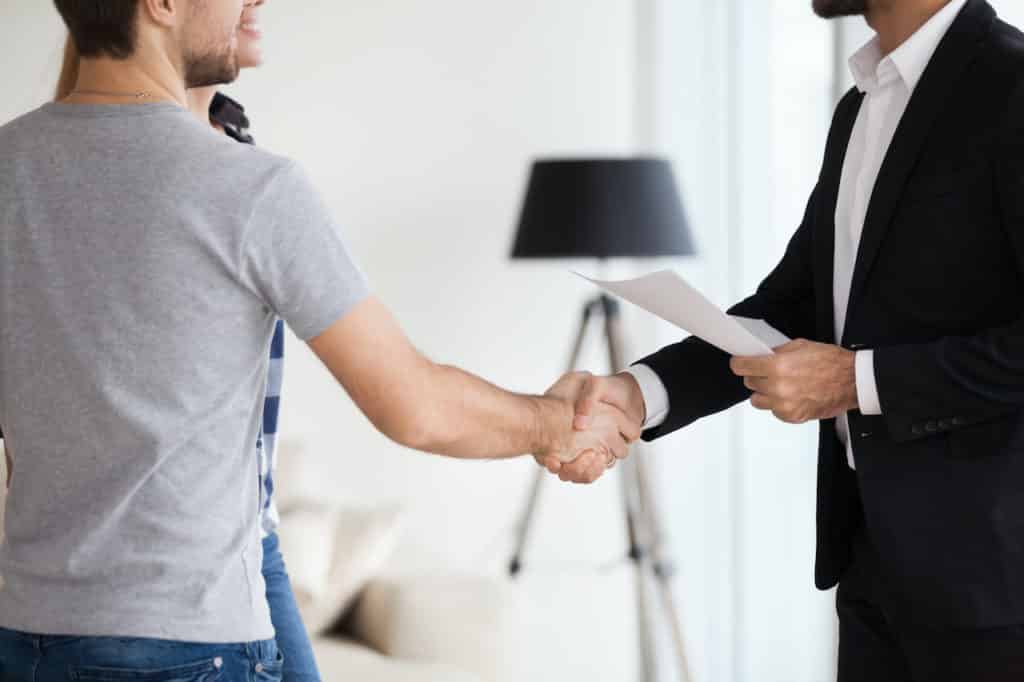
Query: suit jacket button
pixel 916 430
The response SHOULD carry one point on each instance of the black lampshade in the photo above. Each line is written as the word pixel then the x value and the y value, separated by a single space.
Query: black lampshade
pixel 602 208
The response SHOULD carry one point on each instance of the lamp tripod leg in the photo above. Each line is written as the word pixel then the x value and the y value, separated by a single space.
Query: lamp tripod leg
pixel 646 537
pixel 515 564
pixel 662 569
pixel 646 551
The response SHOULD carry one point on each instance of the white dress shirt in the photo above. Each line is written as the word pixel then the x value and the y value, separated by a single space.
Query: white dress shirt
pixel 887 83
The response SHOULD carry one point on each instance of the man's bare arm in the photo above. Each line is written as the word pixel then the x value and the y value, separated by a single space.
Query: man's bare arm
pixel 445 410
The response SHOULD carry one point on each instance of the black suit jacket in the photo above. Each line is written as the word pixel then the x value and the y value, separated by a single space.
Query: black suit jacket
pixel 938 293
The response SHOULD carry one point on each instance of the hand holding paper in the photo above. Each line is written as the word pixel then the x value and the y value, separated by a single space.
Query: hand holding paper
pixel 798 381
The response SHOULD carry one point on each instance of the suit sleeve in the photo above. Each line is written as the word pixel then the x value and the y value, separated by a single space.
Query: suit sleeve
pixel 697 375
pixel 966 379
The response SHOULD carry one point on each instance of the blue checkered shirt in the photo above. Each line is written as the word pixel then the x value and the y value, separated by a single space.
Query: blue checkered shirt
pixel 231 117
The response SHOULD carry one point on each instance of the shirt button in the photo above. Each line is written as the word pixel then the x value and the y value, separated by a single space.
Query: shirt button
pixel 218 662
pixel 259 667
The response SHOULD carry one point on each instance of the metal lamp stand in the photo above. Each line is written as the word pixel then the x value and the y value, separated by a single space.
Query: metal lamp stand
pixel 643 526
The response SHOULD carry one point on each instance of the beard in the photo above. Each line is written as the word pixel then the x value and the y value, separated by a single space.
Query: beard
pixel 830 9
pixel 211 67
pixel 210 56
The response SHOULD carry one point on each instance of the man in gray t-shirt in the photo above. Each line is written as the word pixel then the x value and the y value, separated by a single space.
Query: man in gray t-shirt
pixel 144 260
pixel 140 287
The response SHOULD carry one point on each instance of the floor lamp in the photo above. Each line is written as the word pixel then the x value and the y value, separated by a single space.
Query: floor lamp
pixel 602 209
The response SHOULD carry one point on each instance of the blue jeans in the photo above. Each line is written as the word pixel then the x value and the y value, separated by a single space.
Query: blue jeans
pixel 299 663
pixel 44 658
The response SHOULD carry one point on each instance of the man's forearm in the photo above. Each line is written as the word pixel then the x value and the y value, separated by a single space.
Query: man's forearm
pixel 462 415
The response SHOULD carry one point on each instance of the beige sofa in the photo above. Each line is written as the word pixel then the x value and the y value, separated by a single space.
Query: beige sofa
pixel 443 629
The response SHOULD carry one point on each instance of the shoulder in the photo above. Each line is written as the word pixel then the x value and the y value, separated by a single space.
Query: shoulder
pixel 1001 57
pixel 12 130
pixel 253 170
pixel 1005 41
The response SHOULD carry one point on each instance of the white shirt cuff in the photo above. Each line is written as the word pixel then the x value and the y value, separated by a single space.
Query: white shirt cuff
pixel 867 390
pixel 655 395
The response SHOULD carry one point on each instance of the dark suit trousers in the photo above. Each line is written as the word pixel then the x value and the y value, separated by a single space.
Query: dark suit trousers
pixel 874 647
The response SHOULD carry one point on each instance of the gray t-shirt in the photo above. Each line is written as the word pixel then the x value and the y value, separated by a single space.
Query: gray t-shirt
pixel 144 260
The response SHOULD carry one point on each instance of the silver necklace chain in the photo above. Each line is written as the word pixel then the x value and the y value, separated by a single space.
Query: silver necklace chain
pixel 101 93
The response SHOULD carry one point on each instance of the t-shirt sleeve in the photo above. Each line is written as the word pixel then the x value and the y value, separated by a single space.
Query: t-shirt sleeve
pixel 294 257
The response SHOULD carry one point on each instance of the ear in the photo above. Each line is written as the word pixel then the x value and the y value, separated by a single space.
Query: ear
pixel 162 13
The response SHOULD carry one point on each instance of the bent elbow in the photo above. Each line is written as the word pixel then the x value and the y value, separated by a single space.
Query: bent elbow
pixel 417 430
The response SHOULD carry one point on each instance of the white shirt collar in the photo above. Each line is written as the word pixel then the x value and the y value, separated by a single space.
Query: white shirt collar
pixel 908 61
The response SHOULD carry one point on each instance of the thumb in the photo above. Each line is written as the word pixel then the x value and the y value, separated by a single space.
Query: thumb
pixel 790 346
pixel 586 403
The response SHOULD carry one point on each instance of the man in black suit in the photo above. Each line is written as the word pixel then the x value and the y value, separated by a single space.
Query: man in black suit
pixel 904 287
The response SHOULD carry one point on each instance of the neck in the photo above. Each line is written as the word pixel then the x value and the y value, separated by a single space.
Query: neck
pixel 896 20
pixel 199 101
pixel 112 77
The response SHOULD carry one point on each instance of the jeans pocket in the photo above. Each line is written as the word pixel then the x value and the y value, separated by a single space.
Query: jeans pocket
pixel 202 671
pixel 272 670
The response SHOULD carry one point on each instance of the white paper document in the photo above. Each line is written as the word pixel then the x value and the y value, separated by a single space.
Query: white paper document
pixel 671 298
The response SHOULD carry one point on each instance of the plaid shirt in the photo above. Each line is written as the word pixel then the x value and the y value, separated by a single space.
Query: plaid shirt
pixel 230 115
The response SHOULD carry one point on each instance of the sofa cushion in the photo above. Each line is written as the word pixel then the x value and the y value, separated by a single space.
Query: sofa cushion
pixel 331 553
pixel 345 660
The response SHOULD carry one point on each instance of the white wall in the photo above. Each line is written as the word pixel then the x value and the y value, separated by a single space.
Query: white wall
pixel 419 121
pixel 1011 11
pixel 744 109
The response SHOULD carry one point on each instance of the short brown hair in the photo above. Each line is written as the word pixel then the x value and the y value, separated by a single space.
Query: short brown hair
pixel 101 27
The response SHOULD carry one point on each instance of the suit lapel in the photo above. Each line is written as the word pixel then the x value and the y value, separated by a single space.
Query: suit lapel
pixel 835 157
pixel 933 90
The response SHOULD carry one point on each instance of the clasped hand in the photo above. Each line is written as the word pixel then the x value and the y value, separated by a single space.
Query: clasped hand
pixel 602 423
pixel 802 381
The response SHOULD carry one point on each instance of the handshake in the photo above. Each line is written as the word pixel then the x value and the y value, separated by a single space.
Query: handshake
pixel 605 416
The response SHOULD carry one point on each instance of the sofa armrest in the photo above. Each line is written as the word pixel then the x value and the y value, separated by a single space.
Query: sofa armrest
pixel 458 621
